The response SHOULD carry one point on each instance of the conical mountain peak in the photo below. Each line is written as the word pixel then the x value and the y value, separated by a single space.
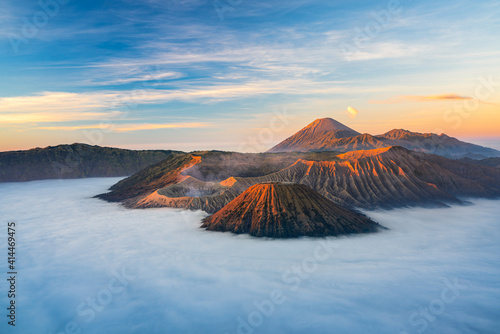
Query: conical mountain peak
pixel 326 125
pixel 286 210
pixel 315 134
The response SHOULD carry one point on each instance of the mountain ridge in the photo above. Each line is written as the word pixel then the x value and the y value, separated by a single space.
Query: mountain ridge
pixel 369 179
pixel 75 161
pixel 340 140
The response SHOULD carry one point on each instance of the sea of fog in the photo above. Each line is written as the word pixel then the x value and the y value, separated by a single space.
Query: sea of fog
pixel 87 266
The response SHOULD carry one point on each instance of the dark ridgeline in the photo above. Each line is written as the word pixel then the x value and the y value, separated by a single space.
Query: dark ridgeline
pixel 75 161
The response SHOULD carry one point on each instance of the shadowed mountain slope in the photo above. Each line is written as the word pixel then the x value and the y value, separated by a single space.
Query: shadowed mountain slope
pixel 436 144
pixel 75 161
pixel 492 162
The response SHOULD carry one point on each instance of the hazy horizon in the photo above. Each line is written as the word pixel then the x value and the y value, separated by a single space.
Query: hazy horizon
pixel 228 146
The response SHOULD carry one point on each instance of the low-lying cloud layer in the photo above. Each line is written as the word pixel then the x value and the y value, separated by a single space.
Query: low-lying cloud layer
pixel 95 266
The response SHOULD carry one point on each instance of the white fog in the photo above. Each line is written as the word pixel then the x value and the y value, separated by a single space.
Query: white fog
pixel 88 266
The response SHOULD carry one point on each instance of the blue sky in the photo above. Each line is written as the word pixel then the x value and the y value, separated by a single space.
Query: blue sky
pixel 213 74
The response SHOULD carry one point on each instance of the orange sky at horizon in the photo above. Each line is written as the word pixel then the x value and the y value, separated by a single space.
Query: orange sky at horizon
pixel 481 124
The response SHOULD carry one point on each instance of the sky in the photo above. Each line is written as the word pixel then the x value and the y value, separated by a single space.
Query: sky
pixel 244 75
pixel 88 266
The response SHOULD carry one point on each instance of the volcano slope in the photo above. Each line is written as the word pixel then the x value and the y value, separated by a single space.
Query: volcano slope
pixel 286 210
pixel 369 179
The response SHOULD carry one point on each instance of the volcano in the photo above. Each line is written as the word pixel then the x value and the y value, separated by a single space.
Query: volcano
pixel 322 130
pixel 384 178
pixel 327 134
pixel 286 210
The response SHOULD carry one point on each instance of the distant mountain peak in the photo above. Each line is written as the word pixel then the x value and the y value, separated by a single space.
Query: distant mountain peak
pixel 317 132
pixel 402 133
pixel 326 134
pixel 325 125
pixel 397 131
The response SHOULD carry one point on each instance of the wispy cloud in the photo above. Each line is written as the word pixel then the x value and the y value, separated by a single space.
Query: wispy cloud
pixel 385 50
pixel 128 127
pixel 66 106
pixel 423 98
pixel 56 102
pixel 141 78
pixel 140 127
pixel 47 117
